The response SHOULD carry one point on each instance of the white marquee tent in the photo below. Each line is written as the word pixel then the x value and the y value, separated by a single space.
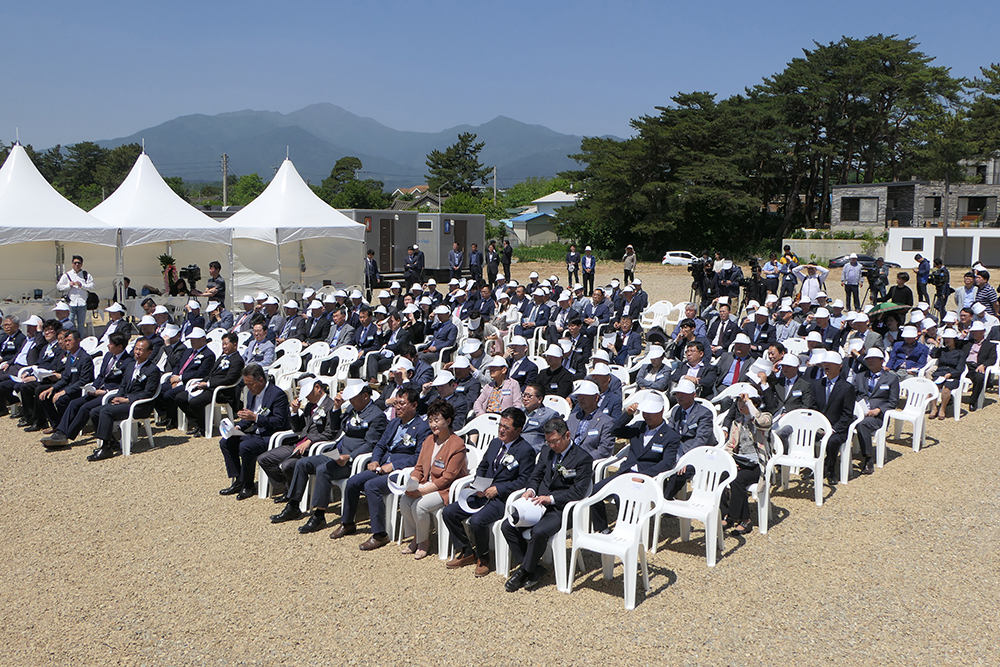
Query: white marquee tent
pixel 288 226
pixel 153 220
pixel 40 230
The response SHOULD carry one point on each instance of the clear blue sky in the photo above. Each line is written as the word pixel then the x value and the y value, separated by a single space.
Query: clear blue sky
pixel 74 71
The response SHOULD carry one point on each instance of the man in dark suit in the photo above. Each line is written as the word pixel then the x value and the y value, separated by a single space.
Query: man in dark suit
pixel 980 355
pixel 391 342
pixel 508 463
pixel 116 323
pixel 628 342
pixel 562 475
pixel 360 425
pixel 44 348
pixel 193 320
pixel 697 368
pixel 787 390
pixel 115 368
pixel 372 276
pixel 226 371
pixel 476 263
pixel 522 369
pixel 398 448
pixel 140 384
pixel 535 315
pixel 695 426
pixel 834 396
pixel 597 312
pixel 52 359
pixel 722 331
pixel 505 258
pixel 760 332
pixel 820 321
pixel 195 364
pixel 266 413
pixel 444 335
pixel 317 326
pixel 591 428
pixel 653 448
pixel 443 386
pixel 733 366
pixel 555 378
pixel 879 389
pixel 294 325
pixel 11 340
pixel 77 371
pixel 492 264
pixel 581 347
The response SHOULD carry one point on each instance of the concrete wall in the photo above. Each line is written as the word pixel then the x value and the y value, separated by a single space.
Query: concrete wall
pixel 823 249
pixel 965 245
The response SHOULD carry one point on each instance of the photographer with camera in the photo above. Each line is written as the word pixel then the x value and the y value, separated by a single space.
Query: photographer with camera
pixel 772 269
pixel 789 260
pixel 941 279
pixel 730 276
pixel 215 288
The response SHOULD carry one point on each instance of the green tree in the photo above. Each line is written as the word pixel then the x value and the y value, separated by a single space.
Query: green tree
pixel 527 191
pixel 457 168
pixel 245 190
pixel 79 172
pixel 176 184
pixel 357 193
pixel 343 172
pixel 115 166
pixel 984 112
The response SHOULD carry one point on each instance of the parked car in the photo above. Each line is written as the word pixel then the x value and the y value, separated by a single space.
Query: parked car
pixel 866 261
pixel 678 258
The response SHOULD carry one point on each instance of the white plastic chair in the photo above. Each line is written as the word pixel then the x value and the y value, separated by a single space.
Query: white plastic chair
pixel 702 504
pixel 347 354
pixel 318 350
pixel 559 404
pixel 130 426
pixel 214 406
pixel 639 499
pixel 848 446
pixel 293 345
pixel 215 335
pixel 733 392
pixel 89 344
pixel 263 481
pixel 806 424
pixel 621 373
pixel 964 385
pixel 487 427
pixel 920 394
pixel 472 458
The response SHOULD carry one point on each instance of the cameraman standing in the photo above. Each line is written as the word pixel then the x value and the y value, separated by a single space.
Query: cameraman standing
pixel 850 278
pixel 878 280
pixel 941 278
pixel 215 288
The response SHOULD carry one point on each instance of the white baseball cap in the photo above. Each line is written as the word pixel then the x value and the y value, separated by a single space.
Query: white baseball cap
pixel 197 332
pixel 949 333
pixel 685 386
pixel 601 355
pixel 587 248
pixel 461 362
pixel 292 304
pixel 533 274
pixel 395 285
pixel 330 298
pixel 853 255
pixel 340 294
pixel 412 308
pixel 247 299
pixel 978 308
pixel 790 360
pixel 270 301
pixel 600 369
pixel 147 319
pixel 353 388
pixel 742 339
pixel 384 295
pixel 654 403
pixel 442 310
pixel 910 332
pixel 403 364
pixel 655 352
pixel 554 351
pixel 928 323
pixel 860 317
pixel 923 305
pixel 356 294
pixel 497 362
pixel 873 353
pixel 586 388
pixel 471 345
pixel 950 317
pixel 453 281
pixel 171 330
pixel 160 310
pixel 115 308
pixel 442 378
pixel 839 303
pixel 36 321
pixel 832 357
pixel 61 306
pixel 431 281
pixel 540 292
pixel 815 337
pixel 977 326
pixel 425 301
pixel 261 296
pixel 518 340
pixel 212 305
pixel 306 387
pixel 194 305
pixel 822 312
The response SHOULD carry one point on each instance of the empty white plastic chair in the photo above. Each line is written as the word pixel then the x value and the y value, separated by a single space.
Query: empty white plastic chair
pixel 293 345
pixel 486 426
pixel 638 499
pixel 89 344
pixel 802 448
pixel 559 404
pixel 920 394
pixel 714 470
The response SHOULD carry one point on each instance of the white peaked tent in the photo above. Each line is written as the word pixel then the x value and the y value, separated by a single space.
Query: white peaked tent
pixel 40 229
pixel 153 220
pixel 286 225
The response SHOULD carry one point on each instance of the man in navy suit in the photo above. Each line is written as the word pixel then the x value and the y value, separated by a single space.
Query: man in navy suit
pixel 722 331
pixel 266 413
pixel 77 371
pixel 195 364
pixel 535 315
pixel 653 448
pixel 139 384
pixel 596 312
pixel 225 373
pixel 695 426
pixel 589 263
pixel 115 369
pixel 834 396
pixel 562 475
pixel 444 334
pixel 398 448
pixel 522 369
pixel 508 462
pixel 372 277
pixel 879 389
pixel 760 332
pixel 194 320
pixel 628 342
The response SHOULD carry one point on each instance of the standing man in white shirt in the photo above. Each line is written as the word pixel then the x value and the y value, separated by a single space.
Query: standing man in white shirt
pixel 75 284
pixel 850 278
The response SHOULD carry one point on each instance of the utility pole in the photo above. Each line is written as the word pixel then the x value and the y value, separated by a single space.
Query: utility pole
pixel 225 179
pixel 494 184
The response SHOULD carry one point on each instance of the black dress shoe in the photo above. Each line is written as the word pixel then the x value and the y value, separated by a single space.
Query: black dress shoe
pixel 33 428
pixel 247 492
pixel 532 580
pixel 57 439
pixel 515 581
pixel 196 431
pixel 290 513
pixel 102 454
pixel 869 468
pixel 315 522
pixel 235 487
pixel 281 500
pixel 21 423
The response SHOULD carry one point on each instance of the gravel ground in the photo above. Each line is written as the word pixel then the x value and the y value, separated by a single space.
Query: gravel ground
pixel 139 561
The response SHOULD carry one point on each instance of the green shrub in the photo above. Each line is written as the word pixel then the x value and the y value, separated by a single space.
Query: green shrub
pixel 798 234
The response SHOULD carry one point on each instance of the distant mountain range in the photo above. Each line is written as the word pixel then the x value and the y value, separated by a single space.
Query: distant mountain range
pixel 318 135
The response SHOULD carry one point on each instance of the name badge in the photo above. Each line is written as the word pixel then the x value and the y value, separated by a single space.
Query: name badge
pixel 505 392
pixel 883 387
pixel 74 370
pixel 513 464
pixel 658 449
pixel 569 474
pixel 797 394
pixel 554 385
pixel 593 433
pixel 459 390
pixel 532 422
pixel 439 464
pixel 607 411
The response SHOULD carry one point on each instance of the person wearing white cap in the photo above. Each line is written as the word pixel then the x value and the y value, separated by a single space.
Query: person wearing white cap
pixel 563 475
pixel 812 277
pixel 590 427
pixel 627 343
pixel 218 316
pixel 193 320
pixel 536 415
pixel 225 372
pixel 173 347
pixel 555 378
pixel 273 319
pixel 879 390
pixel 116 323
pixel 444 387
pixel 572 265
pixel 589 264
pixel 786 389
pixel 313 419
pixel 982 314
pixel 820 321
pixel 470 380
pixel 785 326
pixel 294 323
pixel 746 429
pixel 909 355
pixel 948 371
pixel 536 314
pixel 654 374
pixel 443 334
pixel 413 266
pixel 75 284
pixel 62 313
pixel 162 317
pixel 980 354
pixel 610 402
pixel 316 327
pixel 730 274
pixel 385 300
pixel 522 370
pixel 834 396
pixel 195 364
pixel 861 331
pixel 147 328
pixel 47 400
pixel 837 316
pixel 259 349
pixel 501 393
pixel 15 346
pixel 760 331
pixel 694 425
pixel 597 311
pixel 850 279
pixel 734 366
pixel 244 321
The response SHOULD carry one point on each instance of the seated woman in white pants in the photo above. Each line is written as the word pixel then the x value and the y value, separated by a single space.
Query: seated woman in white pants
pixel 441 461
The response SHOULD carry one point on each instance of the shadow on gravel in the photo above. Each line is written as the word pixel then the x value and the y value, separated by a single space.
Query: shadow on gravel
pixel 661 578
